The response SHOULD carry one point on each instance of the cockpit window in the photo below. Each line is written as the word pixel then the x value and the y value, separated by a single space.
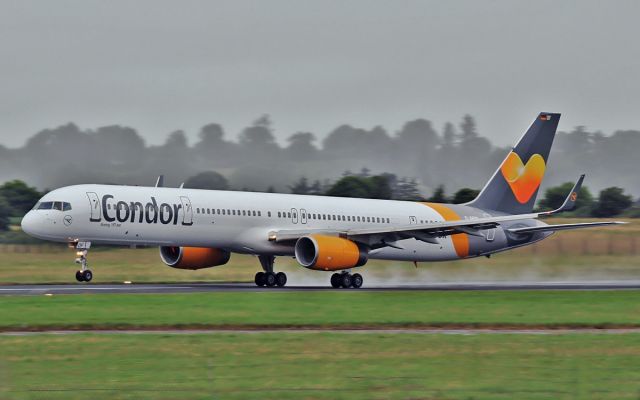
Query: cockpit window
pixel 45 205
pixel 53 205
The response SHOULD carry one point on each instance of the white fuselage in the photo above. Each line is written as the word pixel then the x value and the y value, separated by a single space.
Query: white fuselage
pixel 236 221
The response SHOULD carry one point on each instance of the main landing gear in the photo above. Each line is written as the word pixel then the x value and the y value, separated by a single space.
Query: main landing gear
pixel 346 280
pixel 268 278
pixel 84 274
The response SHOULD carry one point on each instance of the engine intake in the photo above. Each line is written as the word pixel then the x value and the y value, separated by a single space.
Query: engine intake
pixel 329 253
pixel 193 257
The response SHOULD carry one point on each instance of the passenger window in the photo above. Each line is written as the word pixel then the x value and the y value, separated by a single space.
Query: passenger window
pixel 288 215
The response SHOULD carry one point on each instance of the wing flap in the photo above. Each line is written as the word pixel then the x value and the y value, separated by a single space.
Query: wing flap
pixel 563 227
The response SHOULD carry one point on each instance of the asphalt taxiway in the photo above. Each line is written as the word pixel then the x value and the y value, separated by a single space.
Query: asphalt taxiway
pixel 134 288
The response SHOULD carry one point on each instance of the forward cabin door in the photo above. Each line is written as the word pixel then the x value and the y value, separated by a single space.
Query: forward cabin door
pixel 187 211
pixel 94 202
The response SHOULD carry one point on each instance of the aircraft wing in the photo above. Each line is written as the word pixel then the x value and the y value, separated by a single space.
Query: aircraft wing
pixel 563 227
pixel 428 232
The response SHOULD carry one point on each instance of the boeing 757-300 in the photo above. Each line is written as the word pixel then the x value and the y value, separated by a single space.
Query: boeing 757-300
pixel 201 228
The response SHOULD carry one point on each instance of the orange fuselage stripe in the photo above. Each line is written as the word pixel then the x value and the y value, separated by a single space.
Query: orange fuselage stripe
pixel 460 240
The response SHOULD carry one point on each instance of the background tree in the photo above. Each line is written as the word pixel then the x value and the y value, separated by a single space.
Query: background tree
pixel 464 195
pixel 351 186
pixel 301 147
pixel 5 213
pixel 611 202
pixel 207 180
pixel 20 197
pixel 438 195
pixel 555 196
pixel 300 187
pixel 380 188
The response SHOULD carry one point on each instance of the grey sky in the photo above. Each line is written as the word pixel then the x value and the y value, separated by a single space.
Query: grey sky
pixel 159 66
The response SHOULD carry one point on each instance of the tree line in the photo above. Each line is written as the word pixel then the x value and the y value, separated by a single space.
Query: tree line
pixel 455 154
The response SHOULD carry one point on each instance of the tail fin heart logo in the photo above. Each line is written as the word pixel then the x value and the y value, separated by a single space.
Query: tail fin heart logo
pixel 523 179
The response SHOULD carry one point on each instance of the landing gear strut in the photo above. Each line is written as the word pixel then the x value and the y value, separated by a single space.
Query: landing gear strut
pixel 84 274
pixel 268 277
pixel 346 280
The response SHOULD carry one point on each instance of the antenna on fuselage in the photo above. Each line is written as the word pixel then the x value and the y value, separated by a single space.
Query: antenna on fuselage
pixel 182 185
pixel 160 181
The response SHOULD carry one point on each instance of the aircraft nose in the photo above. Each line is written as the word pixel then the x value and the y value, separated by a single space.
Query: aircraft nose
pixel 28 223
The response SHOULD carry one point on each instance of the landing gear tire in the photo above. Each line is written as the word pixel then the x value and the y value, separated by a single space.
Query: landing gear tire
pixel 335 281
pixel 281 279
pixel 87 275
pixel 356 281
pixel 79 277
pixel 270 279
pixel 345 280
pixel 260 279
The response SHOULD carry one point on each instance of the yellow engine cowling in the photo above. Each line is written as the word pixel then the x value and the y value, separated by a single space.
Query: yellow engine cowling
pixel 193 257
pixel 329 253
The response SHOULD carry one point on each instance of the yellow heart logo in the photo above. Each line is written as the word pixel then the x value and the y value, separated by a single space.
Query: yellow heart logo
pixel 523 179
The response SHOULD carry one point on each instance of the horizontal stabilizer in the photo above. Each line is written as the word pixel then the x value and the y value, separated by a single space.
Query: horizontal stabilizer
pixel 563 227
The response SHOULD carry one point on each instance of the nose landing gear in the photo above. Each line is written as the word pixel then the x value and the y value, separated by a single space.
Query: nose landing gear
pixel 346 280
pixel 269 278
pixel 84 274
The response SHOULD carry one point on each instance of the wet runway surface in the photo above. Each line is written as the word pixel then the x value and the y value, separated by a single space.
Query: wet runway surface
pixel 78 288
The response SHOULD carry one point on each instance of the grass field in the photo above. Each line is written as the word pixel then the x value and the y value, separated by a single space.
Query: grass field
pixel 331 365
pixel 322 309
pixel 320 366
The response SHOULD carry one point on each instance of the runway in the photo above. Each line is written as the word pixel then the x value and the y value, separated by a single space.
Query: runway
pixel 123 288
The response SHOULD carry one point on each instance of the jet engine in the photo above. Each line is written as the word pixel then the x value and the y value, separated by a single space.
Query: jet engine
pixel 330 253
pixel 193 257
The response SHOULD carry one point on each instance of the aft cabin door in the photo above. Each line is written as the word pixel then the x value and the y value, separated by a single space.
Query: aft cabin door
pixel 187 214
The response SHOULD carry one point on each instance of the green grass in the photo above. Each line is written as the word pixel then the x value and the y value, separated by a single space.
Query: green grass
pixel 320 366
pixel 329 308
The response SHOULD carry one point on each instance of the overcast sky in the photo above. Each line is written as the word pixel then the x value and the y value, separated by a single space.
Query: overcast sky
pixel 159 66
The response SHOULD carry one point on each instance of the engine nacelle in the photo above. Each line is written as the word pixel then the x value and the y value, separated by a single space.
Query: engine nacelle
pixel 329 253
pixel 193 257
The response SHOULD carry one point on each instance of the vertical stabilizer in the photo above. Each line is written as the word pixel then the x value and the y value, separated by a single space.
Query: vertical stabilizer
pixel 514 186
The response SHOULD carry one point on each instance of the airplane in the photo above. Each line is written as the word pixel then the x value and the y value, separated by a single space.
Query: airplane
pixel 197 229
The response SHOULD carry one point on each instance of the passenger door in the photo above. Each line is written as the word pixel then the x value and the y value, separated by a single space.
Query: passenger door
pixel 94 204
pixel 303 216
pixel 187 211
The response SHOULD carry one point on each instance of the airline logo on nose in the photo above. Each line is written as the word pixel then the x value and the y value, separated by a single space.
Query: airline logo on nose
pixel 523 179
